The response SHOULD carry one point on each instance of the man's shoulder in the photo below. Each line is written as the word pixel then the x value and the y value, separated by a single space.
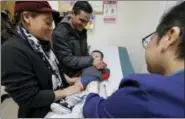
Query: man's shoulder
pixel 62 28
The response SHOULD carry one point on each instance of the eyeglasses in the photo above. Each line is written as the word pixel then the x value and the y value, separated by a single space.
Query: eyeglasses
pixel 147 39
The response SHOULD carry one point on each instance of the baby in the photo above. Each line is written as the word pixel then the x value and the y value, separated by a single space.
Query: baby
pixel 88 75
pixel 102 74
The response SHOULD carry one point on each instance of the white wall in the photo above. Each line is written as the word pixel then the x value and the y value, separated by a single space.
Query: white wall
pixel 54 4
pixel 135 19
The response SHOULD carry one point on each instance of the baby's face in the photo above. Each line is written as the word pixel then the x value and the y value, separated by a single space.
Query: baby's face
pixel 96 55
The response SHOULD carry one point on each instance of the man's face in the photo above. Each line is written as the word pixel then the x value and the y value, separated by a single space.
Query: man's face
pixel 80 20
pixel 153 55
pixel 96 55
pixel 160 51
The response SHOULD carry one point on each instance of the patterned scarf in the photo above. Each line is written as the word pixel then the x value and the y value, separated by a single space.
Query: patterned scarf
pixel 49 57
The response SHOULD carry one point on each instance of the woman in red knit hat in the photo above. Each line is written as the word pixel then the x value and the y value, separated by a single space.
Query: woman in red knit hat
pixel 30 71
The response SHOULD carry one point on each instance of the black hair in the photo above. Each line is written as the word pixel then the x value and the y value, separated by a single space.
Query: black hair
pixel 82 6
pixel 6 26
pixel 17 18
pixel 59 17
pixel 174 17
pixel 102 55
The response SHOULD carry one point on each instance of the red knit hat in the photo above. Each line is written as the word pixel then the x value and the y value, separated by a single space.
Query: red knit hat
pixel 35 6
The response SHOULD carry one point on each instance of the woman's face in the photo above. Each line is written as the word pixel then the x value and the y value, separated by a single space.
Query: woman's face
pixel 39 25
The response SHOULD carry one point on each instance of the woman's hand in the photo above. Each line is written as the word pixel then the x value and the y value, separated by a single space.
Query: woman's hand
pixel 77 87
pixel 59 94
pixel 72 90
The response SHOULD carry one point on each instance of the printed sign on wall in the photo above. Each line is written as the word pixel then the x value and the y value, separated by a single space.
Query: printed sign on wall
pixel 110 10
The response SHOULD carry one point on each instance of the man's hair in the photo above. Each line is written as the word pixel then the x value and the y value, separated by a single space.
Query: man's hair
pixel 82 6
pixel 6 26
pixel 175 17
pixel 102 55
